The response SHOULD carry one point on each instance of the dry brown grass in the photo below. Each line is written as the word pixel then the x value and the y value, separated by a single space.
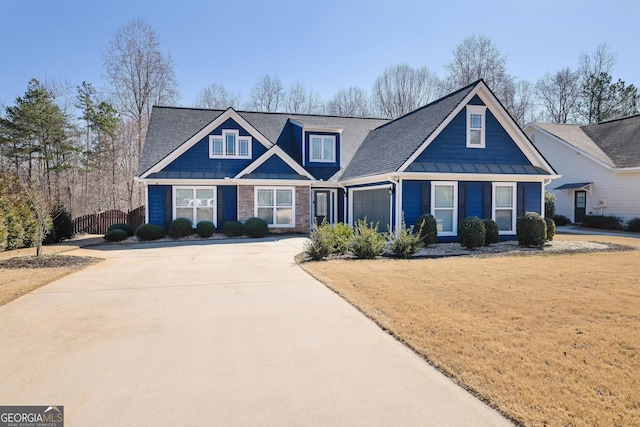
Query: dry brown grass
pixel 15 282
pixel 548 340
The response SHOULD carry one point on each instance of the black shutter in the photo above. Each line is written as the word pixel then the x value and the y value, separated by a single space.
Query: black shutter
pixel 168 206
pixel 486 200
pixel 462 201
pixel 220 207
pixel 520 205
pixel 425 205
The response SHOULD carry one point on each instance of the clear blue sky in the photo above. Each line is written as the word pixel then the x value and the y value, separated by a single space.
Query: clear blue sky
pixel 326 44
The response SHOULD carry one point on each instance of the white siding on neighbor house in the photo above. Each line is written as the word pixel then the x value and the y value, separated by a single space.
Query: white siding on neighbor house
pixel 620 190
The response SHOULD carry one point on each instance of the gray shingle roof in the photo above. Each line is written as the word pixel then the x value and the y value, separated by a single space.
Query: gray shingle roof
pixel 615 143
pixel 388 147
pixel 170 127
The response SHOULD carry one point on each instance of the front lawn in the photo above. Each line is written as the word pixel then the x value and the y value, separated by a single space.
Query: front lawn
pixel 548 340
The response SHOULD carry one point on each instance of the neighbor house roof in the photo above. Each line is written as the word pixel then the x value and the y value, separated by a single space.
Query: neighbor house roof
pixel 170 127
pixel 615 143
pixel 406 134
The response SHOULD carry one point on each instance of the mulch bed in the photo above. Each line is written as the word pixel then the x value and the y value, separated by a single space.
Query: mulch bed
pixel 48 261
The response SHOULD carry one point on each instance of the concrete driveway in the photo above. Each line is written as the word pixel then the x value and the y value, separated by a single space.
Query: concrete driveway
pixel 201 334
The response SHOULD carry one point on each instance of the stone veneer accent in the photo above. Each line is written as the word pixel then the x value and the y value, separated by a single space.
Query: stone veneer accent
pixel 246 194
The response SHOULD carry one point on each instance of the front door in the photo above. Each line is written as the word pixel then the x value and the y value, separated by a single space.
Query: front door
pixel 322 209
pixel 580 204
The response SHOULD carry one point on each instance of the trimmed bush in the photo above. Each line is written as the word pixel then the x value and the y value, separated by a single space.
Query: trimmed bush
pixel 427 228
pixel 472 232
pixel 256 227
pixel 551 229
pixel 549 204
pixel 491 234
pixel 603 222
pixel 634 225
pixel 342 235
pixel 150 232
pixel 15 231
pixel 3 232
pixel 233 228
pixel 321 241
pixel 405 243
pixel 30 224
pixel 62 223
pixel 116 235
pixel 367 243
pixel 205 229
pixel 560 220
pixel 531 230
pixel 124 227
pixel 180 227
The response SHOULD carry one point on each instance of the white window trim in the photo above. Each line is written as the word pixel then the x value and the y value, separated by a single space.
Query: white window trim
pixel 333 149
pixel 226 132
pixel 275 201
pixel 514 198
pixel 481 110
pixel 453 184
pixel 193 188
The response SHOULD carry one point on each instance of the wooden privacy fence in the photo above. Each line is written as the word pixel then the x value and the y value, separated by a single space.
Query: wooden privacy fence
pixel 99 223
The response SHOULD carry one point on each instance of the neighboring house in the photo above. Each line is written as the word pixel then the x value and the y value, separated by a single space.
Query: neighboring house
pixel 459 156
pixel 599 164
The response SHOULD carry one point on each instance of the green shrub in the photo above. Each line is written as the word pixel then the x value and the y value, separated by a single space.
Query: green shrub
pixel 549 204
pixel 116 235
pixel 180 227
pixel 560 220
pixel 367 243
pixel 342 235
pixel 491 234
pixel 531 230
pixel 603 222
pixel 125 227
pixel 256 227
pixel 150 232
pixel 62 223
pixel 551 229
pixel 233 228
pixel 15 231
pixel 205 229
pixel 427 228
pixel 321 241
pixel 405 243
pixel 30 224
pixel 472 232
pixel 634 225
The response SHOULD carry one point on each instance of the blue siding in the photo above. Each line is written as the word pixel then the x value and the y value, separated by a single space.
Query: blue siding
pixel 322 170
pixel 275 165
pixel 450 145
pixel 411 201
pixel 340 201
pixel 476 101
pixel 529 197
pixel 156 204
pixel 196 158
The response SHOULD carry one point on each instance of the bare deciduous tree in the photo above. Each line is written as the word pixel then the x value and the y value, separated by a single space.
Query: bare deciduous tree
pixel 520 102
pixel 600 61
pixel 267 95
pixel 301 100
pixel 217 97
pixel 478 58
pixel 351 102
pixel 559 93
pixel 139 74
pixel 401 89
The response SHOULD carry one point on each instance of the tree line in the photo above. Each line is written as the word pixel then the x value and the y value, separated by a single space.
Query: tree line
pixel 79 146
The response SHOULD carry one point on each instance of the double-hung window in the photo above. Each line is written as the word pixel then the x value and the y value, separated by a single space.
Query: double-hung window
pixel 476 126
pixel 195 203
pixel 504 206
pixel 322 148
pixel 229 145
pixel 275 205
pixel 444 202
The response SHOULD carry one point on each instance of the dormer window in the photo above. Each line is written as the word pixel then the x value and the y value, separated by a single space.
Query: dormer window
pixel 475 126
pixel 229 145
pixel 322 148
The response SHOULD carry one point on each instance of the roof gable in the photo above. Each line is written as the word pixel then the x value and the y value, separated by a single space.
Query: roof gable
pixel 275 164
